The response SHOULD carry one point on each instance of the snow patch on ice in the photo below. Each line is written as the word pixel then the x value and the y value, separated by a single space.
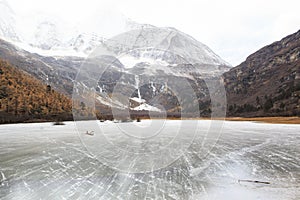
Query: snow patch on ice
pixel 138 100
pixel 146 107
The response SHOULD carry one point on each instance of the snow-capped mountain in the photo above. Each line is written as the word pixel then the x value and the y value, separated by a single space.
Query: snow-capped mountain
pixel 145 65
pixel 84 42
pixel 168 45
pixel 142 59
pixel 46 36
pixel 52 36
pixel 7 22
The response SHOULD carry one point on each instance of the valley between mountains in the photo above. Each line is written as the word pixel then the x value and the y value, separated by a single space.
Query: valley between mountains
pixel 144 70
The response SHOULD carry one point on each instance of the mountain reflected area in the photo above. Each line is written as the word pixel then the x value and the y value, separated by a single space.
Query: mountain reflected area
pixel 249 161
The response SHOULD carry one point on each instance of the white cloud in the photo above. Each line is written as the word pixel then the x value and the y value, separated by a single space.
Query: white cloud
pixel 232 28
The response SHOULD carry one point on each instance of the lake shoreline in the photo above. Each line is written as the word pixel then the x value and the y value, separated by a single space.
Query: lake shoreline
pixel 270 120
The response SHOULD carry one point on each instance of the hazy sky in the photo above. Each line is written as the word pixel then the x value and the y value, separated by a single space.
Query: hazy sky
pixel 231 28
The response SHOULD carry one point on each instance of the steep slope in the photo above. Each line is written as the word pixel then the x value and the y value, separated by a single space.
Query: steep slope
pixel 268 82
pixel 23 97
pixel 55 71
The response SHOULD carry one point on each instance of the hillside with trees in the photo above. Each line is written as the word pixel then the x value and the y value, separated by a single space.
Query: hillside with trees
pixel 24 98
pixel 268 82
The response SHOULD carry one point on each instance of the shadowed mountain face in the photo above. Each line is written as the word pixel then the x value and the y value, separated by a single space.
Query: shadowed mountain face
pixel 268 82
pixel 57 72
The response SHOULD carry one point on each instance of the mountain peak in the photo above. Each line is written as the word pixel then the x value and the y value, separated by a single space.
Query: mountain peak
pixel 50 36
pixel 167 40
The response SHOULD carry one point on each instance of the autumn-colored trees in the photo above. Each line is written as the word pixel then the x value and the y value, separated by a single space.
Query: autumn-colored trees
pixel 22 97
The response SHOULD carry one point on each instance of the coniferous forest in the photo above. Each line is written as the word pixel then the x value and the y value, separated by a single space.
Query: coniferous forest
pixel 24 98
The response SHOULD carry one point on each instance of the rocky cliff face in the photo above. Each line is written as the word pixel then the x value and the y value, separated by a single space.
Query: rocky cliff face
pixel 268 82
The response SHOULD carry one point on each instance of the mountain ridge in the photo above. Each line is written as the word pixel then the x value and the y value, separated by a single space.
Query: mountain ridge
pixel 267 82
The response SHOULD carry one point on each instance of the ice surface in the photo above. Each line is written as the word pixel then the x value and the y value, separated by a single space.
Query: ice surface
pixel 42 161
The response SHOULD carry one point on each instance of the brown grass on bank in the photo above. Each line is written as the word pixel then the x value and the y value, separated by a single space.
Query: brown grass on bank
pixel 273 120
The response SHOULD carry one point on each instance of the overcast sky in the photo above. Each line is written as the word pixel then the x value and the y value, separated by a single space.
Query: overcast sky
pixel 231 28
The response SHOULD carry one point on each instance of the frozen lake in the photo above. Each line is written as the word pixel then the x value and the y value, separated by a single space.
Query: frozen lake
pixel 42 161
